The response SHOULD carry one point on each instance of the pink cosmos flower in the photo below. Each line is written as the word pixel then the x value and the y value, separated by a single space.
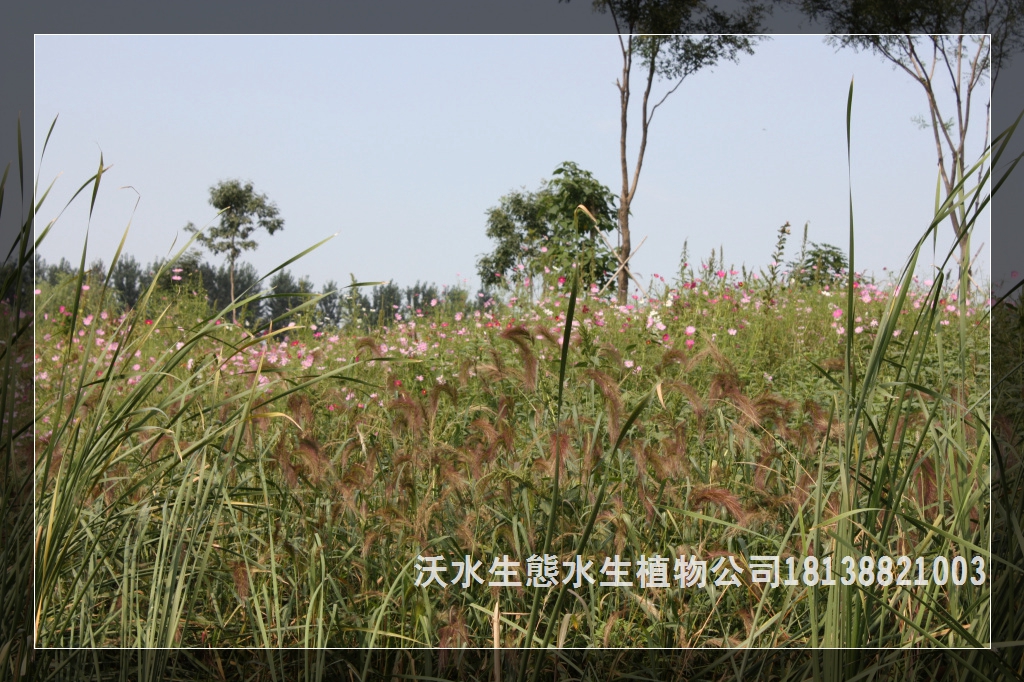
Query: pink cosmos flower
pixel 837 313
pixel 690 331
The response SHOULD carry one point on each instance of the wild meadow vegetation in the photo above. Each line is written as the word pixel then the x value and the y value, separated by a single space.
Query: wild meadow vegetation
pixel 200 483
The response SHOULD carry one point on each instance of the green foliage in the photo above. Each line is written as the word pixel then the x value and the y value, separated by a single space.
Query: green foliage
pixel 243 211
pixel 52 274
pixel 821 264
pixel 288 294
pixel 419 296
pixel 771 277
pixel 537 233
pixel 127 279
pixel 329 309
pixel 217 284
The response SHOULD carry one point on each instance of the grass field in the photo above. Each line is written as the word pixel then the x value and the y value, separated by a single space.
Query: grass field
pixel 276 490
pixel 198 484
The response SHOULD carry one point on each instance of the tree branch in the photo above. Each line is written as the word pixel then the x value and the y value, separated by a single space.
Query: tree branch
pixel 644 123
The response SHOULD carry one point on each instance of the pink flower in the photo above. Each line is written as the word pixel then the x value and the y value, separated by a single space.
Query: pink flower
pixel 433 302
pixel 689 343
pixel 837 313
pixel 690 331
pixel 732 332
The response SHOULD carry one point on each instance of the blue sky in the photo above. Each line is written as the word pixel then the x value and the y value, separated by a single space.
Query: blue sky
pixel 400 144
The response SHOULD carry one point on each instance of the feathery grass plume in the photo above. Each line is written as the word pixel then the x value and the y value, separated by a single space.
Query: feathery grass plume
pixel 408 415
pixel 669 460
pixel 283 456
pixel 723 385
pixel 452 635
pixel 367 343
pixel 543 333
pixel 764 463
pixel 640 458
pixel 719 496
pixel 673 356
pixel 315 462
pixel 776 410
pixel 612 353
pixel 750 417
pixel 435 395
pixel 609 389
pixel 301 411
pixel 559 450
pixel 521 337
pixel 240 577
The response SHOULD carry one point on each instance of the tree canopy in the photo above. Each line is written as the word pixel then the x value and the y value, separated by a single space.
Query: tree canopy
pixel 243 211
pixel 538 234
pixel 672 39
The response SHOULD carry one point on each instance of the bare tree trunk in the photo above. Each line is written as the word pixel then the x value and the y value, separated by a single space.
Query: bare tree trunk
pixel 628 188
pixel 624 197
pixel 231 279
pixel 924 75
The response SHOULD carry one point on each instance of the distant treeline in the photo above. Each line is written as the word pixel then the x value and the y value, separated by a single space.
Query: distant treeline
pixel 281 294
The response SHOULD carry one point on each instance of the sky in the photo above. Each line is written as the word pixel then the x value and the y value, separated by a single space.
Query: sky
pixel 400 144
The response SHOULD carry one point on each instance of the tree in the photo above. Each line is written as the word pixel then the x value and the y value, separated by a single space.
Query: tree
pixel 962 39
pixel 288 294
pixel 244 211
pixel 329 307
pixel 821 264
pixel 538 233
pixel 419 296
pixel 125 278
pixel 703 36
pixel 217 284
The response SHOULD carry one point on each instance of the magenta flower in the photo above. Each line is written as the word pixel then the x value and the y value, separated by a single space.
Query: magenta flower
pixel 837 313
